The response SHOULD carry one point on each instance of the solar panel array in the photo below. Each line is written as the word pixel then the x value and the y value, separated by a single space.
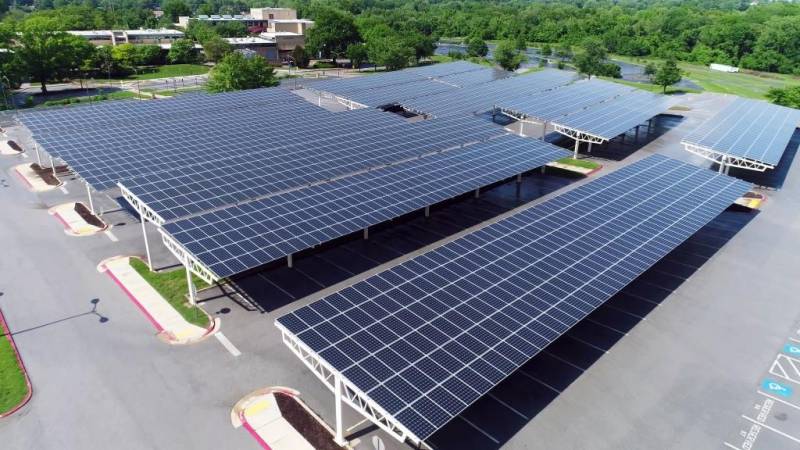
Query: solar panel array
pixel 167 145
pixel 751 129
pixel 107 114
pixel 205 186
pixel 556 103
pixel 617 115
pixel 483 97
pixel 430 336
pixel 236 239
pixel 393 87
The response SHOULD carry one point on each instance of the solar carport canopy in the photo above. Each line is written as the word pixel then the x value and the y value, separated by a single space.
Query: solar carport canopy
pixel 552 104
pixel 425 339
pixel 610 118
pixel 749 129
pixel 239 238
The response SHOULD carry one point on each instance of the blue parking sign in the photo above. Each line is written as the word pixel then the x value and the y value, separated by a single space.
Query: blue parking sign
pixel 792 349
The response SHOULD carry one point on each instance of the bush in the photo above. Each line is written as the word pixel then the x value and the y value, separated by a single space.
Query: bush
pixel 455 54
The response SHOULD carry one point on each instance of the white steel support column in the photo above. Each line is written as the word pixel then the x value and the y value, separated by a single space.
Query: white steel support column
pixel 577 146
pixel 89 194
pixel 366 233
pixel 146 243
pixel 339 439
pixel 544 129
pixel 522 128
pixel 289 261
pixel 636 136
pixel 519 178
pixel 38 155
pixel 192 290
pixel 722 165
pixel 427 211
pixel 53 166
pixel 589 150
pixel 477 192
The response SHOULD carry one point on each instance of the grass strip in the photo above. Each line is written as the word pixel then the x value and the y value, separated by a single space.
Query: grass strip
pixel 171 70
pixel 582 163
pixel 13 387
pixel 172 286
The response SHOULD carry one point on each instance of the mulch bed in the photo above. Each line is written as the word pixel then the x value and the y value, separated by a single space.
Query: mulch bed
pixel 317 435
pixel 46 173
pixel 87 215
pixel 14 146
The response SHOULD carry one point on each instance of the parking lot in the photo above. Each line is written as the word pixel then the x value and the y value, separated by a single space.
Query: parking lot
pixel 686 347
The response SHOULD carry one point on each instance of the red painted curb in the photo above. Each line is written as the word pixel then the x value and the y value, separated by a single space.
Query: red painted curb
pixel 253 433
pixel 63 222
pixel 595 170
pixel 27 398
pixel 152 320
pixel 23 178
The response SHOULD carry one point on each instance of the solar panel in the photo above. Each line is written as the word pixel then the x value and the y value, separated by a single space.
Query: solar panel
pixel 138 152
pixel 397 93
pixel 201 187
pixel 617 115
pixel 426 338
pixel 749 129
pixel 550 105
pixel 239 238
pixel 483 97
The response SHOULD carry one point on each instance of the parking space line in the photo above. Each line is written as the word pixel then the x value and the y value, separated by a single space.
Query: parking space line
pixel 606 326
pixel 794 340
pixel 779 400
pixel 731 446
pixel 227 344
pixel 492 438
pixel 111 236
pixel 547 352
pixel 526 374
pixel 25 155
pixel 774 430
pixel 589 344
pixel 64 190
pixel 514 410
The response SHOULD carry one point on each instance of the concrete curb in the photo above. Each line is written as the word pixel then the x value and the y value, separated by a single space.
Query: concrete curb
pixel 32 184
pixel 162 334
pixel 91 230
pixel 26 399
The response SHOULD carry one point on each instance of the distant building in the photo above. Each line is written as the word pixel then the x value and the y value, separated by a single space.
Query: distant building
pixel 141 36
pixel 723 68
pixel 256 45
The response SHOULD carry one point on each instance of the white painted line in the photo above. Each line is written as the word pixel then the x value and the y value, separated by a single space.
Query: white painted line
pixel 227 344
pixel 779 400
pixel 25 155
pixel 794 340
pixel 774 430
pixel 111 236
pixel 64 190
pixel 731 446
pixel 479 429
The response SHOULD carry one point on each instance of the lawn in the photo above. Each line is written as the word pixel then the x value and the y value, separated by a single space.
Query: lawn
pixel 651 87
pixel 172 286
pixel 582 163
pixel 13 387
pixel 476 60
pixel 117 95
pixel 170 70
pixel 744 84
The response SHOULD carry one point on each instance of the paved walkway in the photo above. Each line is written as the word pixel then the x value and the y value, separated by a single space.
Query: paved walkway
pixel 171 326
pixel 259 414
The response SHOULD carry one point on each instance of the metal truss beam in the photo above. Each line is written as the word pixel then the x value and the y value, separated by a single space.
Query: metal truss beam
pixel 579 135
pixel 351 395
pixel 187 259
pixel 350 104
pixel 724 159
pixel 140 206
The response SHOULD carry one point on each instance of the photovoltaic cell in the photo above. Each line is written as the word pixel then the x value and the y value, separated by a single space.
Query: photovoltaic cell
pixel 206 186
pixel 556 103
pixel 239 238
pixel 617 115
pixel 751 129
pixel 430 336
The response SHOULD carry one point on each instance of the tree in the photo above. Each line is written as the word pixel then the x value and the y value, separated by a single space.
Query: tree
pixel 332 33
pixel 477 47
pixel 667 74
pixel 546 50
pixel 126 56
pixel 300 57
pixel 650 69
pixel 236 72
pixel 357 54
pixel 589 61
pixel 789 96
pixel 423 46
pixel 46 54
pixel 521 43
pixel 182 52
pixel 215 48
pixel 231 29
pixel 389 51
pixel 507 56
pixel 175 8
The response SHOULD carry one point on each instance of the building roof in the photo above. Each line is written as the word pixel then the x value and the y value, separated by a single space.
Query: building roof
pixel 248 40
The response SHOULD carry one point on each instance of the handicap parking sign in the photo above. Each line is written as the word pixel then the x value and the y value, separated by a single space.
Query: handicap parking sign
pixel 792 349
pixel 774 387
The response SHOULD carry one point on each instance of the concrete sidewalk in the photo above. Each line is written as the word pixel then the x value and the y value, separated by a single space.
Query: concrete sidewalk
pixel 171 326
pixel 259 414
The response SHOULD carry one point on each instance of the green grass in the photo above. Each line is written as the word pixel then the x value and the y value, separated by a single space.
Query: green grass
pixel 118 95
pixel 476 60
pixel 651 87
pixel 744 84
pixel 171 70
pixel 172 286
pixel 582 163
pixel 13 387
